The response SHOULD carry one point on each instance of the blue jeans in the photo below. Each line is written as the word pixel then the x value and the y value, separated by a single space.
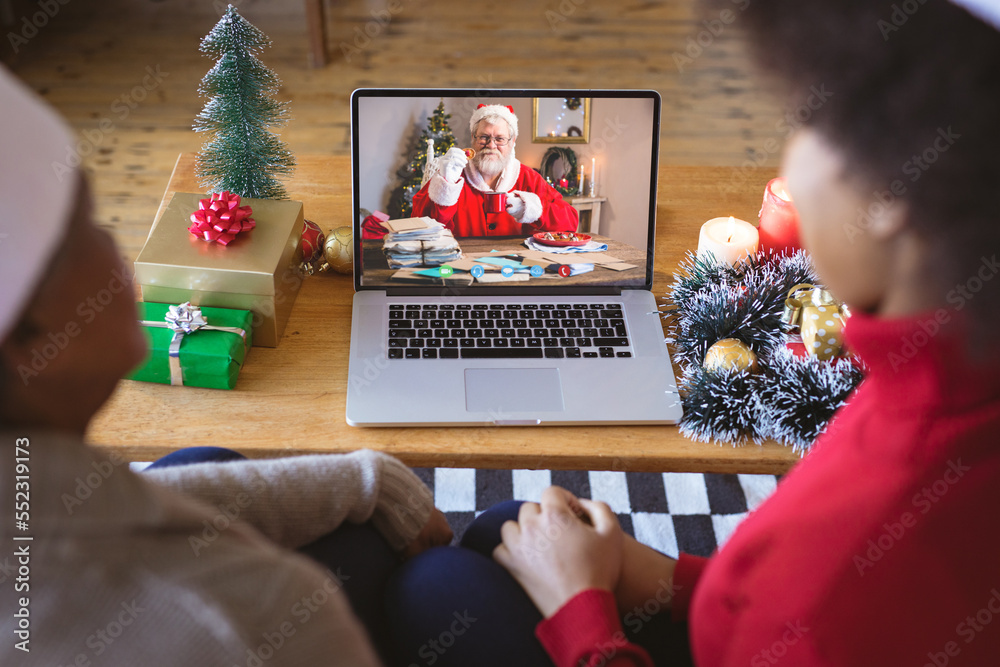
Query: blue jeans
pixel 457 606
pixel 359 552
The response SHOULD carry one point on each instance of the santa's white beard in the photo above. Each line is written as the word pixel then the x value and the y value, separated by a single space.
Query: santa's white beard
pixel 491 162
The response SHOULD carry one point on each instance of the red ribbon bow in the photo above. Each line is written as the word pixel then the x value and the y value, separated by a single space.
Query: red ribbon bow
pixel 221 218
pixel 507 105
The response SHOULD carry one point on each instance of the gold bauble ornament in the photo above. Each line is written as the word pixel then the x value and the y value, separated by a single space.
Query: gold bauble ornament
pixel 339 250
pixel 730 354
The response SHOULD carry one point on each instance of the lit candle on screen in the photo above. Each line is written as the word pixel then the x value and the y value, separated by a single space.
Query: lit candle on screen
pixel 779 221
pixel 729 239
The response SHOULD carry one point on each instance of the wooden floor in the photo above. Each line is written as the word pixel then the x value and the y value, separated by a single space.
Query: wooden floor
pixel 132 67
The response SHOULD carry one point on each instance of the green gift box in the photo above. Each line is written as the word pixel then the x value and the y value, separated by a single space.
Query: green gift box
pixel 209 356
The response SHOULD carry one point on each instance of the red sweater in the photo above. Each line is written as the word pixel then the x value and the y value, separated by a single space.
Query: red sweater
pixel 881 547
pixel 467 216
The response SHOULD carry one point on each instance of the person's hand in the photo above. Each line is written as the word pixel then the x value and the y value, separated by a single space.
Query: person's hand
pixel 574 503
pixel 525 207
pixel 646 574
pixel 435 533
pixel 515 205
pixel 452 164
pixel 554 553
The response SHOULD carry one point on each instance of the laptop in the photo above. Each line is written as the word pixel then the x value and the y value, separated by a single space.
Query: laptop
pixel 473 310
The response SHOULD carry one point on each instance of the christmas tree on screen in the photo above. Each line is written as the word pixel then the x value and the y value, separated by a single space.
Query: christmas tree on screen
pixel 242 156
pixel 412 174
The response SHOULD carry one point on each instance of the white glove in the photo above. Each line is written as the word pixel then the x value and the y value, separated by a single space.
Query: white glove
pixel 515 205
pixel 524 207
pixel 452 164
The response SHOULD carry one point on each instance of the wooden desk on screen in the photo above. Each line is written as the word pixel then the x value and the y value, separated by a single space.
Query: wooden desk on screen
pixel 290 399
pixel 377 271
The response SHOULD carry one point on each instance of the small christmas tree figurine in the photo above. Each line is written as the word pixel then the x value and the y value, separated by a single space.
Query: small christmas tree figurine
pixel 243 156
pixel 439 133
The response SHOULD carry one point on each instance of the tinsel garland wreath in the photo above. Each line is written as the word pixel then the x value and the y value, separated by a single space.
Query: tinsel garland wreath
pixel 791 399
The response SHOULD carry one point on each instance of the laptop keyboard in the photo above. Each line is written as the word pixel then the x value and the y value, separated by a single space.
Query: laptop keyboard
pixel 508 331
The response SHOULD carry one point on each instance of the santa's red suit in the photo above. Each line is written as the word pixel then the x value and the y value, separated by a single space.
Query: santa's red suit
pixel 460 206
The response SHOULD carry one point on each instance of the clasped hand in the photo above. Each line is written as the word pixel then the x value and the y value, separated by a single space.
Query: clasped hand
pixel 561 547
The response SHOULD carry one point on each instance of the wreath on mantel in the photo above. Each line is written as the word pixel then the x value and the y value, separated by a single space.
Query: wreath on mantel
pixel 790 398
pixel 551 157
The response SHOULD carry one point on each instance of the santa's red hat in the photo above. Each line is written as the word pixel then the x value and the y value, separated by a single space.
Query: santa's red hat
pixel 493 110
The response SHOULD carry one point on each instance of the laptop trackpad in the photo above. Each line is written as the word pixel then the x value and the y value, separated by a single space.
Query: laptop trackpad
pixel 500 390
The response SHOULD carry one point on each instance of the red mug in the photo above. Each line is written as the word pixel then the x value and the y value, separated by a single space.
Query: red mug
pixel 496 202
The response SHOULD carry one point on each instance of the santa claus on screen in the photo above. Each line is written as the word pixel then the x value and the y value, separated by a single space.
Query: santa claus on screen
pixel 455 194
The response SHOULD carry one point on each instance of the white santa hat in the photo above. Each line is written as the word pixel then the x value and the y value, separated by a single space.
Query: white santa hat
pixel 494 110
pixel 37 193
pixel 987 11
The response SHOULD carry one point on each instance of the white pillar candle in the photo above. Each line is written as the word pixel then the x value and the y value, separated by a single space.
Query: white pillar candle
pixel 729 239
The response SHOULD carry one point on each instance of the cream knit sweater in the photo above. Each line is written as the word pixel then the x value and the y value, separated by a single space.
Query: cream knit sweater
pixel 122 570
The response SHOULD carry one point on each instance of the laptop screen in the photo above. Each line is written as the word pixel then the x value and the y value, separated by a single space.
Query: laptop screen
pixel 504 191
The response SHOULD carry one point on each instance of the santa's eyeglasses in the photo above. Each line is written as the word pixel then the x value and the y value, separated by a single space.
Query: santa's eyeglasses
pixel 484 139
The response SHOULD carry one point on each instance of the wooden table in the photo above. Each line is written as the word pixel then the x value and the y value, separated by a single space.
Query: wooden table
pixel 290 399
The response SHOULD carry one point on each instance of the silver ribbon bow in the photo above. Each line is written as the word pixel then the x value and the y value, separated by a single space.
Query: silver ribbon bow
pixel 185 319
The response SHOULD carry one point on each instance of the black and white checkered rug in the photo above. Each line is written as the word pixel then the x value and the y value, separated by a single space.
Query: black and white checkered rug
pixel 671 512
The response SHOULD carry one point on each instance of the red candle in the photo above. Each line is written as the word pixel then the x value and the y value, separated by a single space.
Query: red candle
pixel 779 221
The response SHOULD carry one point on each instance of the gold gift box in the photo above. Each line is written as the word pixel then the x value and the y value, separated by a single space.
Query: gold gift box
pixel 258 271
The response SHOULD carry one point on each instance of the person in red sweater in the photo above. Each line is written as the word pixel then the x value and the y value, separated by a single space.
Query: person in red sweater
pixel 455 194
pixel 881 546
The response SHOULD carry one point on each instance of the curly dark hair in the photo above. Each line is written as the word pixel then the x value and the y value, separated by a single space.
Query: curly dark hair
pixel 914 102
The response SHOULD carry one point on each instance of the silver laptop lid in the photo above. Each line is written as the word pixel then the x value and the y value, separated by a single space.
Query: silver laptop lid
pixel 554 136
